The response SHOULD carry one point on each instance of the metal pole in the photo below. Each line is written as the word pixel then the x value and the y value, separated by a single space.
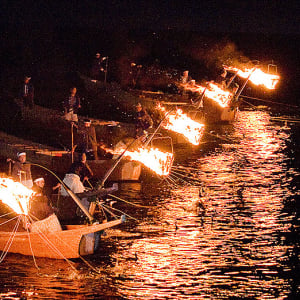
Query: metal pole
pixel 232 78
pixel 153 134
pixel 246 81
pixel 115 164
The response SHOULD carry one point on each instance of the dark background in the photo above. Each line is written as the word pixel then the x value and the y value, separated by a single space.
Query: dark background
pixel 51 41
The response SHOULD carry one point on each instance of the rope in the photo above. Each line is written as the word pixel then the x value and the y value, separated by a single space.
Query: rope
pixel 10 240
pixel 269 101
pixel 10 213
pixel 138 205
pixel 34 260
pixel 122 213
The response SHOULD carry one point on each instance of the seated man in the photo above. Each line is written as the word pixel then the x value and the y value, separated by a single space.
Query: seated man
pixel 85 171
pixel 66 205
pixel 39 206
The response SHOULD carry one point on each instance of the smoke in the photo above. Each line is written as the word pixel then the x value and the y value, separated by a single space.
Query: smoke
pixel 216 54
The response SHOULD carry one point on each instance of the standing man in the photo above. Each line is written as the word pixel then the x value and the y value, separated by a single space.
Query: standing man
pixel 98 67
pixel 71 106
pixel 21 170
pixel 142 121
pixel 27 92
pixel 88 139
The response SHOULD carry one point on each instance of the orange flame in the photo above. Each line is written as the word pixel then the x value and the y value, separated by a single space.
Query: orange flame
pixel 15 195
pixel 156 160
pixel 213 92
pixel 257 76
pixel 181 123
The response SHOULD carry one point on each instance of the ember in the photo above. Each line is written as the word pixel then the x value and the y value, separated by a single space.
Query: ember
pixel 15 195
pixel 181 123
pixel 257 76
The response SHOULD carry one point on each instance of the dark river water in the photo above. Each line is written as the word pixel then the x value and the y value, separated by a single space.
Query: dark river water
pixel 225 225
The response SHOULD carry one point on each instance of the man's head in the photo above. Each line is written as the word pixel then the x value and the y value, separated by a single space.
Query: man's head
pixel 83 158
pixel 138 107
pixel 98 55
pixel 27 79
pixel 40 182
pixel 21 157
pixel 224 73
pixel 73 90
pixel 87 123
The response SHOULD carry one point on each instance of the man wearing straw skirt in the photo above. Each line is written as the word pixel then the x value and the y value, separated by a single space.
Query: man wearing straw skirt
pixel 39 204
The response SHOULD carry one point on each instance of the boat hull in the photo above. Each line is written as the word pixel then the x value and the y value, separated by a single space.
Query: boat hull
pixel 72 242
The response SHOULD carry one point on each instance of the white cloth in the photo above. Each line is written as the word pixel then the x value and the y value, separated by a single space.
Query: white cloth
pixel 71 116
pixel 74 184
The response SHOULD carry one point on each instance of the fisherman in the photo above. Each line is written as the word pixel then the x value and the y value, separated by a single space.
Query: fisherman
pixel 21 170
pixel 134 73
pixel 85 172
pixel 143 122
pixel 222 80
pixel 98 69
pixel 87 139
pixel 234 100
pixel 71 105
pixel 27 92
pixel 39 206
pixel 66 205
pixel 184 80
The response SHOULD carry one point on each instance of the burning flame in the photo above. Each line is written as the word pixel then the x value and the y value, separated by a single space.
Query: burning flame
pixel 15 195
pixel 257 76
pixel 181 123
pixel 213 92
pixel 156 160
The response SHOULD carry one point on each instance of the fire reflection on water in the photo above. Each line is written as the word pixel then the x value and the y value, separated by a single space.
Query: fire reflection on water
pixel 233 248
pixel 229 241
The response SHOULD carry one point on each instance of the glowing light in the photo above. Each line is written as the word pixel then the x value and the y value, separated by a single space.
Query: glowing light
pixel 181 123
pixel 15 195
pixel 257 76
pixel 158 161
pixel 213 92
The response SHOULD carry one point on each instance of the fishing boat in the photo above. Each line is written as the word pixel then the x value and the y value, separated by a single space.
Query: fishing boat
pixel 70 241
pixel 59 161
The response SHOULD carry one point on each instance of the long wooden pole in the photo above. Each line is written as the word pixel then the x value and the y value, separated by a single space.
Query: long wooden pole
pixel 115 164
pixel 72 194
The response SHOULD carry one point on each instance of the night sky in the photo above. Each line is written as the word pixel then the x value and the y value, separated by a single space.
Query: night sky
pixel 214 16
pixel 46 38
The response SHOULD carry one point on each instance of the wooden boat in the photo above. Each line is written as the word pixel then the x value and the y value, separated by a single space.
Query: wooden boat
pixel 59 161
pixel 72 241
pixel 213 113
